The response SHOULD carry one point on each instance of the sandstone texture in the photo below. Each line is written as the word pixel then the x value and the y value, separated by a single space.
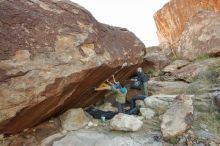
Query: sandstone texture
pixel 166 87
pixel 147 113
pixel 73 119
pixel 52 54
pixel 201 36
pixel 191 71
pixel 189 27
pixel 171 19
pixel 123 122
pixel 178 118
pixel 101 138
pixel 175 65
pixel 155 59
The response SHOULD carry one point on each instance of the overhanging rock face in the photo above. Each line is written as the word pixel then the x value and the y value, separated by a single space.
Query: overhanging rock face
pixel 52 54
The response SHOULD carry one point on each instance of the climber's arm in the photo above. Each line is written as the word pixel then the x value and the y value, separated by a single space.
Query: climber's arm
pixel 114 79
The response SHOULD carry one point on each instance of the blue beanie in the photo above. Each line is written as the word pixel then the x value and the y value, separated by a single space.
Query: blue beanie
pixel 123 90
pixel 116 86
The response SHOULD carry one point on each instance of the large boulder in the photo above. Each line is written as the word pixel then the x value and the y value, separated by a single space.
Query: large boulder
pixel 201 36
pixel 159 103
pixel 73 119
pixel 155 103
pixel 123 122
pixel 178 118
pixel 172 18
pixel 53 52
pixel 188 28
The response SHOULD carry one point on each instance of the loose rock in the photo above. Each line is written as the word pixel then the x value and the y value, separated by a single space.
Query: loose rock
pixel 147 113
pixel 123 122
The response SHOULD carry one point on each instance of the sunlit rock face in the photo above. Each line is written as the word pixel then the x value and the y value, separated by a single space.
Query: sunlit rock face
pixel 186 25
pixel 52 54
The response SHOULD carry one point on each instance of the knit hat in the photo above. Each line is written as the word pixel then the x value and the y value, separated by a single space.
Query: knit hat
pixel 123 90
pixel 116 86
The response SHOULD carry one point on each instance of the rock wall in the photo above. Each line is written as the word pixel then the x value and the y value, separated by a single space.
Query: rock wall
pixel 201 36
pixel 194 19
pixel 171 19
pixel 52 54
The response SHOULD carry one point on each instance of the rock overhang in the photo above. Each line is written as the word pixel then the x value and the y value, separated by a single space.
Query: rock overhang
pixel 58 53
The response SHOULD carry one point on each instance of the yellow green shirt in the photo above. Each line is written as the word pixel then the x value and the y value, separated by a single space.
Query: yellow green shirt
pixel 119 97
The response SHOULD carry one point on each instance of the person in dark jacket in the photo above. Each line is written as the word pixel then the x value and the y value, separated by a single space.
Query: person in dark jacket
pixel 143 79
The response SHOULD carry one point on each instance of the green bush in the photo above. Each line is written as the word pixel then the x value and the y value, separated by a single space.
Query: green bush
pixel 203 82
pixel 209 76
pixel 152 72
pixel 203 57
pixel 173 140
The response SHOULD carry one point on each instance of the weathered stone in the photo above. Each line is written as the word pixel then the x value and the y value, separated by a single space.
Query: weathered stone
pixel 201 36
pixel 160 106
pixel 127 141
pixel 178 118
pixel 154 60
pixel 166 87
pixel 177 64
pixel 171 19
pixel 73 119
pixel 52 55
pixel 49 140
pixel 212 144
pixel 191 71
pixel 124 122
pixel 147 113
pixel 100 138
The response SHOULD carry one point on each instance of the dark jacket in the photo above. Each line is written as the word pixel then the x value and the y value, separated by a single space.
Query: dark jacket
pixel 142 77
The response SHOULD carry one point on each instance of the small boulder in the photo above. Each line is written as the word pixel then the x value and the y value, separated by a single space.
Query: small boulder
pixel 155 103
pixel 147 113
pixel 73 119
pixel 123 122
pixel 178 118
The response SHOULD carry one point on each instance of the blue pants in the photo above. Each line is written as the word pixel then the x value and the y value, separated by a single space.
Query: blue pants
pixel 138 97
pixel 120 107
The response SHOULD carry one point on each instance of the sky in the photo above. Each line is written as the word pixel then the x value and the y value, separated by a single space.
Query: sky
pixel 135 15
